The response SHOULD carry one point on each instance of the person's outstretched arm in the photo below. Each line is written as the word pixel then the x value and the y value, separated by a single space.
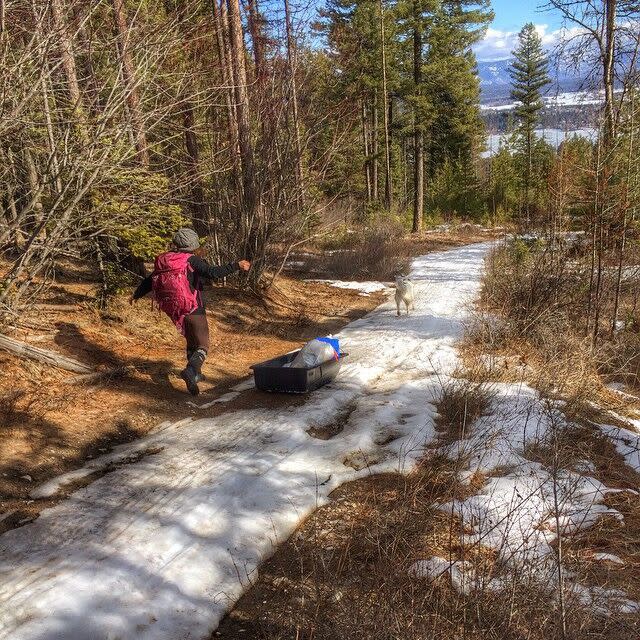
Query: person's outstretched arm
pixel 215 272
pixel 142 290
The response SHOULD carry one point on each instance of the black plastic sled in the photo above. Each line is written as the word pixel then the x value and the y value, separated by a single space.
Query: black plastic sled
pixel 273 376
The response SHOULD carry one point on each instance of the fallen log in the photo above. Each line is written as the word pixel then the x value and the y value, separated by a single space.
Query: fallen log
pixel 53 307
pixel 45 356
pixel 39 338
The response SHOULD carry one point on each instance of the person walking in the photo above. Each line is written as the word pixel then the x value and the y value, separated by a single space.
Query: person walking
pixel 176 285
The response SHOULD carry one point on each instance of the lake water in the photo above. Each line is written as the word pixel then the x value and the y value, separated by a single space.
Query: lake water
pixel 554 137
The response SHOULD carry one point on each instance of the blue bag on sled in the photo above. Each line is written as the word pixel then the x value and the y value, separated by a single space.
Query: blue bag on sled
pixel 335 343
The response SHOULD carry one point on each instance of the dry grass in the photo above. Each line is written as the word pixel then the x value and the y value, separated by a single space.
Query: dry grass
pixel 459 405
pixel 528 327
pixel 378 251
pixel 610 536
pixel 345 574
pixel 537 299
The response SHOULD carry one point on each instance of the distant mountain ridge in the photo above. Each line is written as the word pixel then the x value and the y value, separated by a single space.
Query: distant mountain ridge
pixel 495 82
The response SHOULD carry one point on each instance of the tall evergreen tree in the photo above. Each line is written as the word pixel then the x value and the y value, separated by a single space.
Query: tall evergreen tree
pixel 529 75
pixel 354 31
pixel 453 84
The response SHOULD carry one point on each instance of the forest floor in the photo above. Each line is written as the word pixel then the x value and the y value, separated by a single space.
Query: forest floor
pixel 431 491
pixel 411 498
pixel 49 426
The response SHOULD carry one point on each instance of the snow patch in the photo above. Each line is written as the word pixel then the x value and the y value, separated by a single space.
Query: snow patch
pixel 608 557
pixel 603 601
pixel 626 442
pixel 463 577
pixel 514 512
pixel 365 288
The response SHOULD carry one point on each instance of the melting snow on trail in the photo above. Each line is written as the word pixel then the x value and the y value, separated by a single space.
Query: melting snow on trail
pixel 365 288
pixel 162 545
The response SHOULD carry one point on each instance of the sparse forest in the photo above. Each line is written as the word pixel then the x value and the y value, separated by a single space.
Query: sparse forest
pixel 473 469
pixel 259 125
pixel 262 125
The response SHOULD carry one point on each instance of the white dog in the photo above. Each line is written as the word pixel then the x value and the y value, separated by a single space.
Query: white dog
pixel 404 293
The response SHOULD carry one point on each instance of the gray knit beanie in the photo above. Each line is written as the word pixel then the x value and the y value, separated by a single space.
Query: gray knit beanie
pixel 186 239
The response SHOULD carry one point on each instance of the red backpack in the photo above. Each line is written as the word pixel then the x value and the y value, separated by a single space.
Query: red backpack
pixel 171 289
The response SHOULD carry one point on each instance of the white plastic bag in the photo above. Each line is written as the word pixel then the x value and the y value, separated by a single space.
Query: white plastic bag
pixel 312 354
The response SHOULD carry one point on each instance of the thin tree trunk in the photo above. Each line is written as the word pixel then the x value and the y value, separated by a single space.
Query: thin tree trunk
pixel 13 232
pixel 55 165
pixel 34 183
pixel 592 276
pixel 220 20
pixel 418 135
pixel 365 148
pixel 387 105
pixel 594 235
pixel 242 111
pixel 197 204
pixel 254 21
pixel 528 173
pixel 291 60
pixel 92 89
pixel 66 54
pixel 608 73
pixel 598 291
pixel 616 301
pixel 374 147
pixel 199 211
pixel 405 175
pixel 631 159
pixel 44 90
pixel 129 80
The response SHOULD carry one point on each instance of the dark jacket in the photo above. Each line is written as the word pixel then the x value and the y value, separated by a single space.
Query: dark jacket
pixel 201 270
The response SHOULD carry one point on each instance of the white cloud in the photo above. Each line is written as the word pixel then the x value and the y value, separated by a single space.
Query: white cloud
pixel 498 45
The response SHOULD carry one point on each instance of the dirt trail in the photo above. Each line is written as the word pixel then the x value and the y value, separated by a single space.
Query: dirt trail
pixel 163 544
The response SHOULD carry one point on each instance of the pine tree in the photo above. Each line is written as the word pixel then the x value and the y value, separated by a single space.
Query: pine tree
pixel 529 75
pixel 443 90
pixel 361 38
pixel 454 86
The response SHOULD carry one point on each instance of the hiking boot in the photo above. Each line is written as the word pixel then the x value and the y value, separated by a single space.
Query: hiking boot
pixel 191 378
pixel 195 361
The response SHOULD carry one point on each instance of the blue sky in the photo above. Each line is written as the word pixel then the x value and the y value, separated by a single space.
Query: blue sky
pixel 511 15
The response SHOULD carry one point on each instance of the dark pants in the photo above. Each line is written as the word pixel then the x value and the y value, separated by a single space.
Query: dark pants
pixel 196 331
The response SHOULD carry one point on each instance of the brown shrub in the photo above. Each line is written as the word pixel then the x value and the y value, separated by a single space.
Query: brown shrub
pixel 538 298
pixel 372 253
